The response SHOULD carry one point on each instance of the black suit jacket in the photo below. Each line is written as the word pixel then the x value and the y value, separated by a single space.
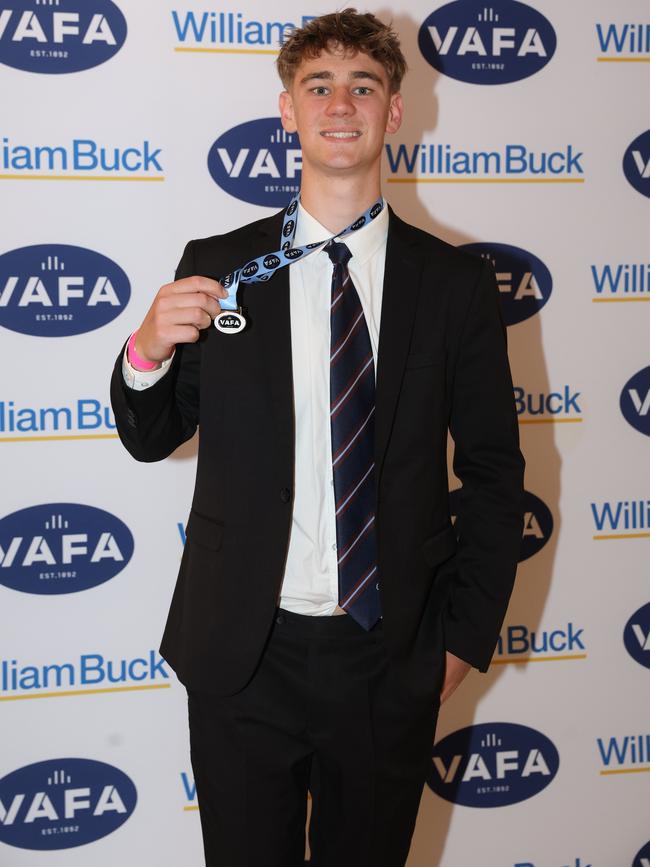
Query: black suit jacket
pixel 442 364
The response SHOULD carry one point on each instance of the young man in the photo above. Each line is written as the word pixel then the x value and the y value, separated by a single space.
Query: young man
pixel 324 604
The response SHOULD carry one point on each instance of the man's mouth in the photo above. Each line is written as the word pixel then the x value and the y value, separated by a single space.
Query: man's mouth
pixel 349 134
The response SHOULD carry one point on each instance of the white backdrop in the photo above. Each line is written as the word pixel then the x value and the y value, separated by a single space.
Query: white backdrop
pixel 583 588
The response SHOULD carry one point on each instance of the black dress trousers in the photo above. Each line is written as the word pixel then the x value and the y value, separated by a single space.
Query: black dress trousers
pixel 324 713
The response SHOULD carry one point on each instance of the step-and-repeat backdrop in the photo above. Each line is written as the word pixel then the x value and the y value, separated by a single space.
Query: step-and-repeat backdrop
pixel 129 127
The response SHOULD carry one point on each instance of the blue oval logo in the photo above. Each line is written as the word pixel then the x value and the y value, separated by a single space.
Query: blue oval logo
pixel 62 548
pixel 538 522
pixel 62 803
pixel 496 44
pixel 635 401
pixel 257 162
pixel 538 526
pixel 525 283
pixel 643 857
pixel 636 163
pixel 57 290
pixel 636 636
pixel 44 37
pixel 492 765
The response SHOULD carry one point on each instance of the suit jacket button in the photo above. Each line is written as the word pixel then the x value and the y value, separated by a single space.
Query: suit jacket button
pixel 285 495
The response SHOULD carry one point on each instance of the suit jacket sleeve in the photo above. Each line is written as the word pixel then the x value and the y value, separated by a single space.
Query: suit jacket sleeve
pixel 153 422
pixel 487 460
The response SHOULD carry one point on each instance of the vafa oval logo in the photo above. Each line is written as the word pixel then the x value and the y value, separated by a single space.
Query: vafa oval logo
pixel 643 857
pixel 636 163
pixel 635 401
pixel 525 283
pixel 636 636
pixel 537 527
pixel 55 37
pixel 492 765
pixel 58 290
pixel 62 803
pixel 257 162
pixel 478 43
pixel 62 548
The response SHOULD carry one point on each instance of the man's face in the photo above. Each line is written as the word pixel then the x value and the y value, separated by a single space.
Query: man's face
pixel 341 106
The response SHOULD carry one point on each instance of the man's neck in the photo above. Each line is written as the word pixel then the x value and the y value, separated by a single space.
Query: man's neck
pixel 336 202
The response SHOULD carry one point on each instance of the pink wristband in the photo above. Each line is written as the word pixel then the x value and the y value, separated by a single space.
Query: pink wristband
pixel 135 359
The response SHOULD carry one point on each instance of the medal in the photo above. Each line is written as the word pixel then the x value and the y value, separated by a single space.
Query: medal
pixel 231 320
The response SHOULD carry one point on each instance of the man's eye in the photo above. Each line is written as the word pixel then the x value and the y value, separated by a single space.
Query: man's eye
pixel 362 91
pixel 320 90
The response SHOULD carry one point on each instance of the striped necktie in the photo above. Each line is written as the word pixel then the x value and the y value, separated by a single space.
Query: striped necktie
pixel 352 409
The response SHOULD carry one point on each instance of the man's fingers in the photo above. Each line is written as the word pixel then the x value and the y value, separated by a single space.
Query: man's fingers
pixel 195 316
pixel 185 334
pixel 195 284
pixel 195 299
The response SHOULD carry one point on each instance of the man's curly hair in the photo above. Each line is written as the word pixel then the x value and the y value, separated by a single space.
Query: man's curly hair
pixel 350 31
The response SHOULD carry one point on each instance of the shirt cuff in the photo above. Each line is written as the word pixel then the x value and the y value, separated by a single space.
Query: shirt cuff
pixel 138 380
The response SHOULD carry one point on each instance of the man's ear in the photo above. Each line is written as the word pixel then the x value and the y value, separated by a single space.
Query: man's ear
pixel 395 113
pixel 286 112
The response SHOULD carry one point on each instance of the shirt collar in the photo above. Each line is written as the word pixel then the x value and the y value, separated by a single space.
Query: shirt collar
pixel 363 243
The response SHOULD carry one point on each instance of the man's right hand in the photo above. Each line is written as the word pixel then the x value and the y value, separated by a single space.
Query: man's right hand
pixel 180 311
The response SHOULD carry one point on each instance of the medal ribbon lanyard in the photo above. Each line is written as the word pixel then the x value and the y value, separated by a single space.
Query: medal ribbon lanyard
pixel 262 269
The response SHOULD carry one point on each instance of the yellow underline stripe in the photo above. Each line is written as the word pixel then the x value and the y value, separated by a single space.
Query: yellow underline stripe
pixel 68 692
pixel 623 59
pixel 80 178
pixel 525 659
pixel 624 536
pixel 550 420
pixel 227 50
pixel 188 809
pixel 58 437
pixel 486 180
pixel 611 300
pixel 626 771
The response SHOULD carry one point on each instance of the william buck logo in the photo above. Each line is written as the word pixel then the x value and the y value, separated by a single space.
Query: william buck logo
pixel 231 29
pixel 257 162
pixel 636 636
pixel 83 418
pixel 81 675
pixel 498 43
pixel 525 283
pixel 636 163
pixel 56 290
pixel 62 803
pixel 492 765
pixel 62 548
pixel 621 519
pixel 635 401
pixel 56 36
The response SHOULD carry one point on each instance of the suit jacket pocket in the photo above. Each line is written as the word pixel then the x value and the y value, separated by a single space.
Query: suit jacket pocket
pixel 204 531
pixel 440 547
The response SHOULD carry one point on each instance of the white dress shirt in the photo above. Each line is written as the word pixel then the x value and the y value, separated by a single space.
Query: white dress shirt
pixel 310 584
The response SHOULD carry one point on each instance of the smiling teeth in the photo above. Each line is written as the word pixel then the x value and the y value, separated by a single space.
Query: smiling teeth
pixel 342 134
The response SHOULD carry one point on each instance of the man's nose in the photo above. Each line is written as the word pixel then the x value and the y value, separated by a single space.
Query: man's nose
pixel 340 103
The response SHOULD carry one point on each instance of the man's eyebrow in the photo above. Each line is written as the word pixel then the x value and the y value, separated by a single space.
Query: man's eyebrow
pixel 329 76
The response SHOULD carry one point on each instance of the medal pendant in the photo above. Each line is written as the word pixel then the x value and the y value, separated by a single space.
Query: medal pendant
pixel 230 321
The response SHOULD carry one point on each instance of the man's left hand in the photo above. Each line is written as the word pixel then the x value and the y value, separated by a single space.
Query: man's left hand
pixel 456 671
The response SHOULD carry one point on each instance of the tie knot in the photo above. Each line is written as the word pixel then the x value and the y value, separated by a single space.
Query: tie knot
pixel 339 253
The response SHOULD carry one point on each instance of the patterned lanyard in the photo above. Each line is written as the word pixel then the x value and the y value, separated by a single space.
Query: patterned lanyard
pixel 232 320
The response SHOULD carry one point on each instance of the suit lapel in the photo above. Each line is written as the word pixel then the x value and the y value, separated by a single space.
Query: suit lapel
pixel 270 317
pixel 399 304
